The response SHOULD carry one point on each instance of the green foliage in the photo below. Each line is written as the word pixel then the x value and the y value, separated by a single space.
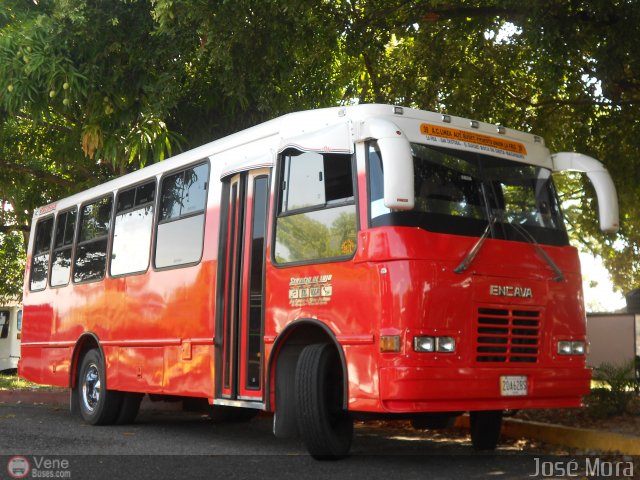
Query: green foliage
pixel 12 259
pixel 620 387
pixel 9 381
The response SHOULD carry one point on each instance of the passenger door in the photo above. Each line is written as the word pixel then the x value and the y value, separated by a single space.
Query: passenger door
pixel 240 299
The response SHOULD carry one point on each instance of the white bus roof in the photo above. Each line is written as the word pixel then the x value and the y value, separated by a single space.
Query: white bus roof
pixel 329 129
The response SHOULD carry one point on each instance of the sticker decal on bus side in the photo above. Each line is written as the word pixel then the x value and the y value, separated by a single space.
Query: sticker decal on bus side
pixel 316 290
pixel 44 210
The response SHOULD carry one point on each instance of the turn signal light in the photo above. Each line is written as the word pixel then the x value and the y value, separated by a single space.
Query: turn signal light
pixel 390 343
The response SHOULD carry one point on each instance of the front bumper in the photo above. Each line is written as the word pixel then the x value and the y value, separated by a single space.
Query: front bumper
pixel 433 389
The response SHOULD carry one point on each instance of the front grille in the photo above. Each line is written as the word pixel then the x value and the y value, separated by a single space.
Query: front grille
pixel 506 335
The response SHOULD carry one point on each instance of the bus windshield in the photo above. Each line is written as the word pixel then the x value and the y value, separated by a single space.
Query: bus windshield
pixel 458 192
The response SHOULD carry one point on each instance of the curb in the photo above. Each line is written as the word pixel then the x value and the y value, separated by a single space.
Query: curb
pixel 572 437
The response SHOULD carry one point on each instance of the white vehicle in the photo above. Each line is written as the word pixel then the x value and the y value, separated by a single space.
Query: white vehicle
pixel 10 332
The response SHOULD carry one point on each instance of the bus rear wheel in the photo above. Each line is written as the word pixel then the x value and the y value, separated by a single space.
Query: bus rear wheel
pixel 485 429
pixel 98 406
pixel 326 428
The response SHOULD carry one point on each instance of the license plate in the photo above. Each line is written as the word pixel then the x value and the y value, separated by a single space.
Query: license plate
pixel 513 385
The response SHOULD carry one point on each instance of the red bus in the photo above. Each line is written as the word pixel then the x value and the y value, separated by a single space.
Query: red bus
pixel 369 260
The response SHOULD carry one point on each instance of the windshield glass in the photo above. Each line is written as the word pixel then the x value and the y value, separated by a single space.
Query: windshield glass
pixel 458 192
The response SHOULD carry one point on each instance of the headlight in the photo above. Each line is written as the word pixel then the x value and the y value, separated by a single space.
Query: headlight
pixel 567 347
pixel 445 344
pixel 424 344
pixel 578 348
pixel 434 344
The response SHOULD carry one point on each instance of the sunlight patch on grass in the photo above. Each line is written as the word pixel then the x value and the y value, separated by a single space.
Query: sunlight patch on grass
pixel 13 382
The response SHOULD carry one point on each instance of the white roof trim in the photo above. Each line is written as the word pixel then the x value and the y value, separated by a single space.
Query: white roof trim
pixel 336 138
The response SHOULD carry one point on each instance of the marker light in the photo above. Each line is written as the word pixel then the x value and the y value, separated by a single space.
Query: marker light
pixel 390 343
pixel 566 347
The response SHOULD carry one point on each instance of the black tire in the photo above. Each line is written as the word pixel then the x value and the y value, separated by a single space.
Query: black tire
pixel 129 408
pixel 98 406
pixel 485 429
pixel 326 428
pixel 433 421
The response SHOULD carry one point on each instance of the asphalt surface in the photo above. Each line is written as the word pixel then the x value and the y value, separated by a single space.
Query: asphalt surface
pixel 172 444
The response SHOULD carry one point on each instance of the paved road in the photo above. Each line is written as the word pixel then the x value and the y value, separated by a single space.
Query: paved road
pixel 188 445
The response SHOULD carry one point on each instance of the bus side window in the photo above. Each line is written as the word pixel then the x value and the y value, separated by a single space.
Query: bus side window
pixel 180 233
pixel 317 212
pixel 41 253
pixel 62 245
pixel 132 230
pixel 91 251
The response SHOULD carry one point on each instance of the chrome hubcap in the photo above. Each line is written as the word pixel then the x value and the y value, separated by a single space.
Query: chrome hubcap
pixel 91 388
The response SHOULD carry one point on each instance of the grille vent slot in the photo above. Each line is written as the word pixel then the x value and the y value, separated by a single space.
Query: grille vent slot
pixel 505 335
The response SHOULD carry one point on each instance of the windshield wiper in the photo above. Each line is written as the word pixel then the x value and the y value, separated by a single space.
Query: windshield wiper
pixel 468 258
pixel 530 238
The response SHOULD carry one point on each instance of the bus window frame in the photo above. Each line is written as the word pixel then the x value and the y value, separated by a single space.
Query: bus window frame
pixel 276 214
pixel 152 242
pixel 157 222
pixel 34 253
pixel 73 245
pixel 77 242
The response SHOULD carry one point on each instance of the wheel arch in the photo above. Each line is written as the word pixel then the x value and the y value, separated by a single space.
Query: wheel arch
pixel 297 335
pixel 281 369
pixel 85 342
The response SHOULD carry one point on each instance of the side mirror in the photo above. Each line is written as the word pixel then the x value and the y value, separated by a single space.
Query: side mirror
pixel 601 180
pixel 397 163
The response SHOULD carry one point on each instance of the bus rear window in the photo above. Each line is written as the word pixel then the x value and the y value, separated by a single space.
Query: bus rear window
pixel 41 253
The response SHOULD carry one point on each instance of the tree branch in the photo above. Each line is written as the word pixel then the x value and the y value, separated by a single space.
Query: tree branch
pixel 48 177
pixel 54 126
pixel 447 13
pixel 14 228
pixel 573 102
pixel 372 75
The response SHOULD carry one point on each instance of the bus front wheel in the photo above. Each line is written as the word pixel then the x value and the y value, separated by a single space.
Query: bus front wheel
pixel 485 429
pixel 98 406
pixel 326 428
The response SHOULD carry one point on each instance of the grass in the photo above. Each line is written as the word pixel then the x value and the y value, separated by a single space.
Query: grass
pixel 10 381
